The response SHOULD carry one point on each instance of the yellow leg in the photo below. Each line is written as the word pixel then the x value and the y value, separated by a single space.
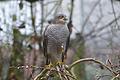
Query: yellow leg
pixel 59 63
pixel 49 66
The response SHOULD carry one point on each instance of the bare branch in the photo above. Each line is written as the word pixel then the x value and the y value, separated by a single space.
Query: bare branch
pixel 33 18
pixel 71 12
pixel 114 12
pixel 40 75
pixel 93 60
pixel 103 27
pixel 86 20
pixel 116 77
pixel 42 15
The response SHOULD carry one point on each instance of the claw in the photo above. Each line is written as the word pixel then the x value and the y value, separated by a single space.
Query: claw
pixel 59 63
pixel 48 66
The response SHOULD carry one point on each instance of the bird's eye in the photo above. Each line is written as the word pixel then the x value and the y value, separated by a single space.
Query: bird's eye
pixel 60 17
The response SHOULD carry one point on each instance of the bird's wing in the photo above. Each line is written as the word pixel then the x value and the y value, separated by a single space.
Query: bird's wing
pixel 45 42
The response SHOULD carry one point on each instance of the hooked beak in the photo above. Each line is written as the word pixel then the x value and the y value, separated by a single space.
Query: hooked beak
pixel 65 19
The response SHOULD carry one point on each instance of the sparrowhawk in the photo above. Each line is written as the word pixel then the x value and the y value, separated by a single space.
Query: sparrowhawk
pixel 55 39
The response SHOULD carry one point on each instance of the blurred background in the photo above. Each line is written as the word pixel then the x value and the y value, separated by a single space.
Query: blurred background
pixel 96 30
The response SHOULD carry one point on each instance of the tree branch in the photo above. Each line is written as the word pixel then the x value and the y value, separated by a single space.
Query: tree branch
pixel 86 20
pixel 93 60
pixel 42 15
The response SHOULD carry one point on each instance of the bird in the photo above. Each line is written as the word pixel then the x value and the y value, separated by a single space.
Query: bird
pixel 55 36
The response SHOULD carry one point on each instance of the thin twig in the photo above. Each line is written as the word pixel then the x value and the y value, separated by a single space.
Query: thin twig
pixel 114 13
pixel 103 27
pixel 86 20
pixel 114 78
pixel 58 70
pixel 50 2
pixel 99 77
pixel 33 18
pixel 26 67
pixel 58 6
pixel 62 73
pixel 42 16
pixel 71 12
pixel 50 11
pixel 41 74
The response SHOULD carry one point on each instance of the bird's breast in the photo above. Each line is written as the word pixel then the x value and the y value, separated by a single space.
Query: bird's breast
pixel 57 34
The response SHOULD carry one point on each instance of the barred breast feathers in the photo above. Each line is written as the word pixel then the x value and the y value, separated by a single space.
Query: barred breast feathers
pixel 57 32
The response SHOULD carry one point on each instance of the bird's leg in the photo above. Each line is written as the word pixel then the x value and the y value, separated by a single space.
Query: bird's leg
pixel 60 50
pixel 59 63
pixel 50 65
pixel 63 55
pixel 47 59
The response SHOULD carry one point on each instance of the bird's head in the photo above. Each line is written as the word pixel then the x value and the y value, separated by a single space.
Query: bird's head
pixel 60 19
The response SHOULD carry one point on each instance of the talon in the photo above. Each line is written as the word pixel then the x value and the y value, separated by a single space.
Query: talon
pixel 59 63
pixel 48 66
